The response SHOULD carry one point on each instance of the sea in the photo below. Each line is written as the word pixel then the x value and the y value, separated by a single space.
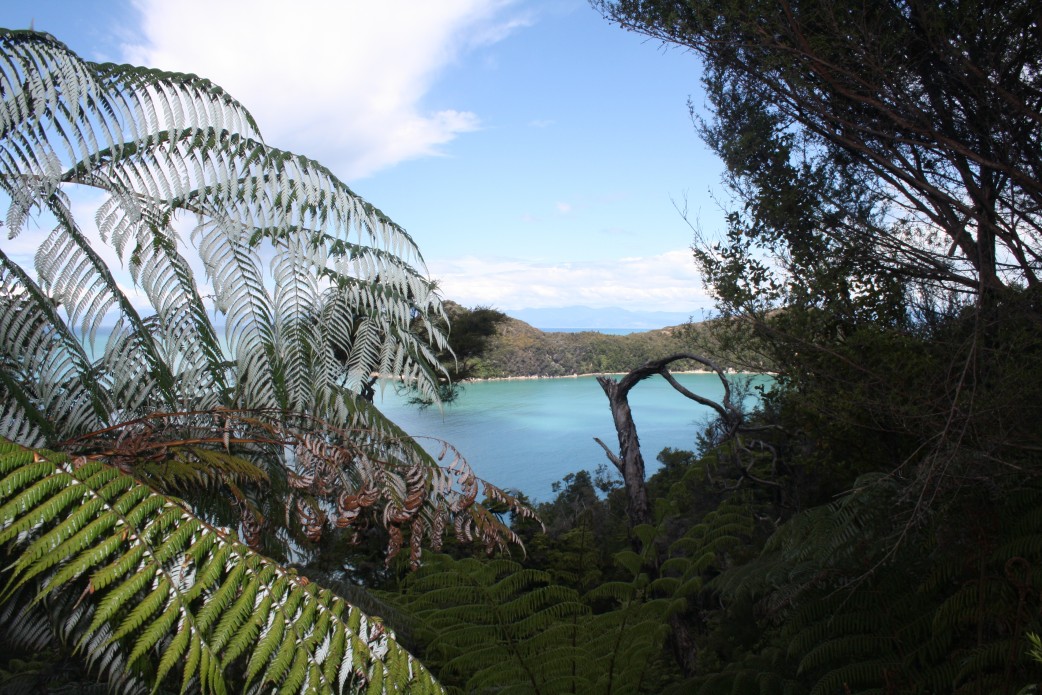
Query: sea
pixel 527 434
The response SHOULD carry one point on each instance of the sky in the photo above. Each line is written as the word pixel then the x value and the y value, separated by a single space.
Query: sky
pixel 540 156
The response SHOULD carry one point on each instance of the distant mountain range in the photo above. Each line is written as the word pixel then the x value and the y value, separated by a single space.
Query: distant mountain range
pixel 608 318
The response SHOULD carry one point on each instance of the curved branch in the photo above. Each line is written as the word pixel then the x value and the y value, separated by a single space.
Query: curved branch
pixel 660 367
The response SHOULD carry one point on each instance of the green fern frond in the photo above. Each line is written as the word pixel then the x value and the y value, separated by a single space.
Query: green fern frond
pixel 164 586
pixel 493 625
pixel 200 467
pixel 858 677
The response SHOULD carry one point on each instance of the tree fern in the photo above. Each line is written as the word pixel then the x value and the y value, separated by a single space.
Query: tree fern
pixel 162 144
pixel 342 302
pixel 261 428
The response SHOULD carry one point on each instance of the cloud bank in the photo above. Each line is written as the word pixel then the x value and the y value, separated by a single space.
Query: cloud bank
pixel 665 282
pixel 343 83
pixel 354 85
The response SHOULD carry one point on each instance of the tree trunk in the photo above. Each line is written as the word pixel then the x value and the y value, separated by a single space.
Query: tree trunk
pixel 629 461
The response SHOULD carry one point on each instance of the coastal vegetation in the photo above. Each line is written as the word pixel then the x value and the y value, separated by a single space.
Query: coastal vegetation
pixel 873 525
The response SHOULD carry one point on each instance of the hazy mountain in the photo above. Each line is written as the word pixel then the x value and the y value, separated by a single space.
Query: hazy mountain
pixel 613 317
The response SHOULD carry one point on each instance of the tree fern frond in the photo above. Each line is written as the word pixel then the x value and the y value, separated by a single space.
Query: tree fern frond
pixel 159 142
pixel 46 368
pixel 22 420
pixel 343 478
pixel 176 591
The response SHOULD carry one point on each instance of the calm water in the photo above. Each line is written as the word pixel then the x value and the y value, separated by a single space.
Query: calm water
pixel 527 434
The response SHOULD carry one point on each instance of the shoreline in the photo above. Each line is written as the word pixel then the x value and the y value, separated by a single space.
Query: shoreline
pixel 727 372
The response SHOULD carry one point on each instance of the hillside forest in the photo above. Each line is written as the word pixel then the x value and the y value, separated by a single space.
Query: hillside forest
pixel 521 350
pixel 512 348
pixel 173 519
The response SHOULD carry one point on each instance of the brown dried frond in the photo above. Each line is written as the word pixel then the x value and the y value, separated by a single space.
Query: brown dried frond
pixel 311 518
pixel 349 506
pixel 250 519
pixel 394 542
pixel 336 477
pixel 416 533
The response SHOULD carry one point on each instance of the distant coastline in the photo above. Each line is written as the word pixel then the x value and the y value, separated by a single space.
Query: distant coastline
pixel 602 331
pixel 596 374
pixel 584 318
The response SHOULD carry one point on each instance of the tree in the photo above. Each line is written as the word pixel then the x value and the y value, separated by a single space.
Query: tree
pixel 885 165
pixel 883 254
pixel 629 461
pixel 923 117
pixel 469 332
pixel 264 437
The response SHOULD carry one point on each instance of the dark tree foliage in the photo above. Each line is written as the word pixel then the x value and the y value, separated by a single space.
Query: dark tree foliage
pixel 916 122
pixel 470 331
pixel 883 258
pixel 885 158
pixel 469 334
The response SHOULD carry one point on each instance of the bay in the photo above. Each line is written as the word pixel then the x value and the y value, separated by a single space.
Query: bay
pixel 526 434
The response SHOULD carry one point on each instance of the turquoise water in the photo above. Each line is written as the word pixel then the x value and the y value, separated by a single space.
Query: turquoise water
pixel 527 434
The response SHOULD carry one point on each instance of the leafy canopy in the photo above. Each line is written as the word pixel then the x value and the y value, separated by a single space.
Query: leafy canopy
pixel 900 137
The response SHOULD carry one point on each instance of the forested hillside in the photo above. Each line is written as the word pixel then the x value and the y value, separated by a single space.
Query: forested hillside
pixel 518 349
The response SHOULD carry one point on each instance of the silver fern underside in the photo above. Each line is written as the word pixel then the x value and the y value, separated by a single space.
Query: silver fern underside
pixel 296 265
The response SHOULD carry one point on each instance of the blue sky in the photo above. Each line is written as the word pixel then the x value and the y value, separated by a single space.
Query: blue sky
pixel 537 153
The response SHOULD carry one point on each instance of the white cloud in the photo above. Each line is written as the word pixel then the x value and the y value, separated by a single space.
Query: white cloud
pixel 343 83
pixel 666 282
